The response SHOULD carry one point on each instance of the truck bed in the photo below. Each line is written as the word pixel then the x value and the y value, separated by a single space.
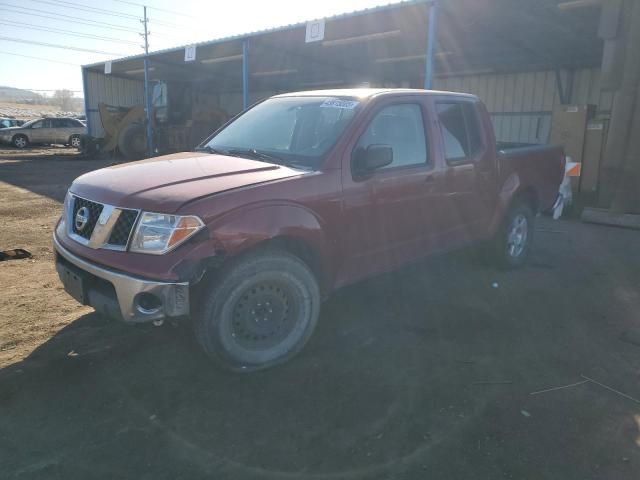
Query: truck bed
pixel 538 167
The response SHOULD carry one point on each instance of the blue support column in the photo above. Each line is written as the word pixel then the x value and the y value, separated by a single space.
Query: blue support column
pixel 431 44
pixel 86 100
pixel 245 73
pixel 147 107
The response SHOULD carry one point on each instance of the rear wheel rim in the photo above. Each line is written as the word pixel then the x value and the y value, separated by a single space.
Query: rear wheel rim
pixel 75 142
pixel 517 236
pixel 264 315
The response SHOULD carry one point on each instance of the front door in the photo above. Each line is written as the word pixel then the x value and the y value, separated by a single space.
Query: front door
pixel 40 131
pixel 388 213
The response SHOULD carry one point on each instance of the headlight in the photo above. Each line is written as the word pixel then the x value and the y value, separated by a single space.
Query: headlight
pixel 157 233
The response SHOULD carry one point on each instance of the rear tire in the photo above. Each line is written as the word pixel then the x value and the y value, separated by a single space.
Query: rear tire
pixel 259 312
pixel 514 238
pixel 75 141
pixel 20 141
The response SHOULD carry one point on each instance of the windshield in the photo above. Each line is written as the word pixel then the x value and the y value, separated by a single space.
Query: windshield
pixel 297 131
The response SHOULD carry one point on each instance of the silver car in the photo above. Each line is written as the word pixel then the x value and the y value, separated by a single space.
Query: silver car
pixel 62 130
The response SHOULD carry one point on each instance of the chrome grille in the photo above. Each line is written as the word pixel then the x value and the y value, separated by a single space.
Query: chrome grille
pixel 95 209
pixel 105 226
pixel 122 229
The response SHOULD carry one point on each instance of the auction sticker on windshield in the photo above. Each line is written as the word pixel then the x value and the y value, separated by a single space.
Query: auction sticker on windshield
pixel 336 103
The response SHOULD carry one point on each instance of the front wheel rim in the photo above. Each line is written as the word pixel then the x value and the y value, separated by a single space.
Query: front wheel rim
pixel 263 316
pixel 517 236
pixel 20 142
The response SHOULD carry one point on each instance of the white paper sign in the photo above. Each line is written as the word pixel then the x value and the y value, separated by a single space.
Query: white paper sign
pixel 315 31
pixel 337 103
pixel 107 68
pixel 190 53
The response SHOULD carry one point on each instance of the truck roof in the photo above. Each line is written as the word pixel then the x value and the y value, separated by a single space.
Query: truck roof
pixel 366 93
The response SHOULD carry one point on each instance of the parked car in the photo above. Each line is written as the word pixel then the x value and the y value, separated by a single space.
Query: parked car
pixel 62 130
pixel 299 195
pixel 9 122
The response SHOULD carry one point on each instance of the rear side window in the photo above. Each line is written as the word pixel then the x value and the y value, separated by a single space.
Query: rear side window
pixel 473 127
pixel 460 130
pixel 402 128
pixel 68 123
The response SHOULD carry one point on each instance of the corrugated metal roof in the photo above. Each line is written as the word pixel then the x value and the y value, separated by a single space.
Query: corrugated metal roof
pixel 291 26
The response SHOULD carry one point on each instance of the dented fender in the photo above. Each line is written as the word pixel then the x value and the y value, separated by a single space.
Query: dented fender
pixel 248 227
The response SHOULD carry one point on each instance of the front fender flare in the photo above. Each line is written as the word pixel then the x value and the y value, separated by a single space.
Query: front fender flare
pixel 254 225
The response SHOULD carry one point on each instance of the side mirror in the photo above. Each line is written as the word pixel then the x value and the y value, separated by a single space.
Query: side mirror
pixel 373 158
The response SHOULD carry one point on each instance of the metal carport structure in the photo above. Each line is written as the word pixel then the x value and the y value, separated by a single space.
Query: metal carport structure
pixel 383 46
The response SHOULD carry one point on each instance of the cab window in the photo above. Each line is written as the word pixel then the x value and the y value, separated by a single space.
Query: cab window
pixel 460 131
pixel 402 128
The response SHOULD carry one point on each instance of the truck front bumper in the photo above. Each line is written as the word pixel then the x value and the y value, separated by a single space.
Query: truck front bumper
pixel 117 295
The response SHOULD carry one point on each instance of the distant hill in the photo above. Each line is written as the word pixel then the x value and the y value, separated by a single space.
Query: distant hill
pixel 11 93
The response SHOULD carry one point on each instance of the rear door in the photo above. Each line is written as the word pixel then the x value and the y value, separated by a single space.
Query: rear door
pixel 388 214
pixel 58 127
pixel 469 184
pixel 71 127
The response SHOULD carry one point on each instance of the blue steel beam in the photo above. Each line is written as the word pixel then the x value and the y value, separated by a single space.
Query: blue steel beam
pixel 245 73
pixel 86 100
pixel 431 44
pixel 147 107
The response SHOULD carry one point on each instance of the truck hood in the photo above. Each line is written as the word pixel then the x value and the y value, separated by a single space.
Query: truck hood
pixel 164 184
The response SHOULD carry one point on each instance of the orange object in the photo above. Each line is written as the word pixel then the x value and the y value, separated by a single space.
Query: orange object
pixel 574 171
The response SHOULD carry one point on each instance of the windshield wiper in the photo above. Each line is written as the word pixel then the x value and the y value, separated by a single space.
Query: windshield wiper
pixel 253 153
pixel 209 149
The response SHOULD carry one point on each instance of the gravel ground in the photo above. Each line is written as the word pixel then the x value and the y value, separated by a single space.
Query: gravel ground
pixel 424 373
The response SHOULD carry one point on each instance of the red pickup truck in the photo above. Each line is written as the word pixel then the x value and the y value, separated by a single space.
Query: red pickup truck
pixel 297 196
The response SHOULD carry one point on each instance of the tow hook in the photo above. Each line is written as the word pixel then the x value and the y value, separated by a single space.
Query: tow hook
pixel 158 323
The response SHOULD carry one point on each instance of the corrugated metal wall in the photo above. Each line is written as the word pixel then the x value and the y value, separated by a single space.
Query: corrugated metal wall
pixel 521 104
pixel 115 91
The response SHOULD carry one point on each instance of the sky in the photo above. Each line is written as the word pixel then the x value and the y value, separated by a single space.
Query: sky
pixel 76 23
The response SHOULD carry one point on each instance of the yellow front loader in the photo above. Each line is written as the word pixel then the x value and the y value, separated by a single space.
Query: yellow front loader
pixel 178 125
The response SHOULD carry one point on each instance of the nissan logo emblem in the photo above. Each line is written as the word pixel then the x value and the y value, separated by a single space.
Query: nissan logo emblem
pixel 82 218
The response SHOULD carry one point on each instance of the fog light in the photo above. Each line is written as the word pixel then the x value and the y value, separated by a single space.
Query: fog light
pixel 147 303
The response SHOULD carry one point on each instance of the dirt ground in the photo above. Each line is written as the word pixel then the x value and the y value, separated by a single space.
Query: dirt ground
pixel 424 373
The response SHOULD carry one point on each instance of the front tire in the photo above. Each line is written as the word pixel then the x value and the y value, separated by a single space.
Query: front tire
pixel 20 141
pixel 513 241
pixel 259 312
